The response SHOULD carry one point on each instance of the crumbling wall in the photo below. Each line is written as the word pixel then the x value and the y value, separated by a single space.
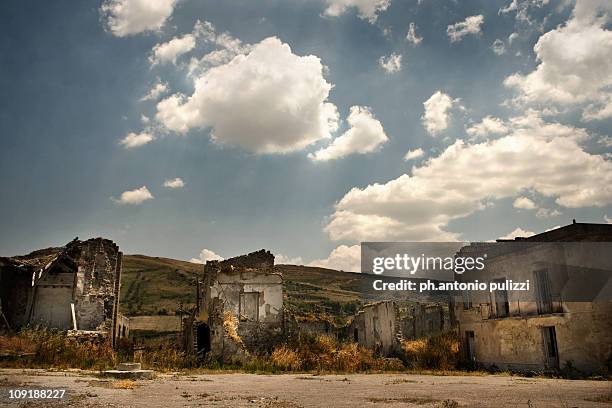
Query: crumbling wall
pixel 422 321
pixel 246 291
pixel 42 288
pixel 376 328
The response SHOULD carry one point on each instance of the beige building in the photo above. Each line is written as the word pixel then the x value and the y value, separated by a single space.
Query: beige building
pixel 240 307
pixel 75 288
pixel 553 325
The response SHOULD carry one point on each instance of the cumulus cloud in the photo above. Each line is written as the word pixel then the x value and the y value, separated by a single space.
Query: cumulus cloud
pixel 412 36
pixel 174 183
pixel 281 259
pixel 365 135
pixel 538 156
pixel 498 47
pixel 391 63
pixel 133 140
pixel 206 255
pixel 437 112
pixel 518 232
pixel 134 197
pixel 128 17
pixel 366 9
pixel 470 26
pixel 414 154
pixel 574 64
pixel 489 125
pixel 171 50
pixel 524 203
pixel 226 48
pixel 343 258
pixel 267 101
pixel 156 91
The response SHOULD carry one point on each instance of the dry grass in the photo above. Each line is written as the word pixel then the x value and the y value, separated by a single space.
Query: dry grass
pixel 325 353
pixel 439 352
pixel 50 348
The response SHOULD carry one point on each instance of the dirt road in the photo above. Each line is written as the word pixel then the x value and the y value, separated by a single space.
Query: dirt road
pixel 291 391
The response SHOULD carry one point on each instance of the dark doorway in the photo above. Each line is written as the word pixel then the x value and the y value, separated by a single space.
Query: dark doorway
pixel 356 335
pixel 203 338
pixel 550 347
pixel 470 349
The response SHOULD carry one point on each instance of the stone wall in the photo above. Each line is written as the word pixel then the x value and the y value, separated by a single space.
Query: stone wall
pixel 376 327
pixel 45 287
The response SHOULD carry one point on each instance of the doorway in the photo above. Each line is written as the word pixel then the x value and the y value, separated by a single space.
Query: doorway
pixel 551 351
pixel 203 338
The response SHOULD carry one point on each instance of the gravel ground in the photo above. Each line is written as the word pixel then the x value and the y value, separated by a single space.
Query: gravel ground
pixel 86 389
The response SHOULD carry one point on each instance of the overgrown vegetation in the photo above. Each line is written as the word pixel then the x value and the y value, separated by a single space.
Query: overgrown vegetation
pixel 439 352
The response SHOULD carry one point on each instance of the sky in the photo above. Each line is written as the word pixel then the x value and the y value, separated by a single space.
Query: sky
pixel 204 129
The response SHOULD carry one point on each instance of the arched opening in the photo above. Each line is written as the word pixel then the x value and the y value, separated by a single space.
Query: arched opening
pixel 203 340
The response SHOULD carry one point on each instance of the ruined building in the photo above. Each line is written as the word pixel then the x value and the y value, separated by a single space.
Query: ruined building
pixel 377 327
pixel 239 308
pixel 422 320
pixel 71 288
pixel 558 325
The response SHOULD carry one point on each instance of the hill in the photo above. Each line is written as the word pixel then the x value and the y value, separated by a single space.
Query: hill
pixel 153 285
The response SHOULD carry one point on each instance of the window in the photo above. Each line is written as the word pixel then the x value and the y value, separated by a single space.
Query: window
pixel 467 300
pixel 544 299
pixel 502 307
pixel 249 306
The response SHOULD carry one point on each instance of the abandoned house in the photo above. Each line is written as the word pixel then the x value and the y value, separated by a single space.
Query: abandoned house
pixel 239 308
pixel 74 288
pixel 552 328
pixel 376 327
pixel 421 320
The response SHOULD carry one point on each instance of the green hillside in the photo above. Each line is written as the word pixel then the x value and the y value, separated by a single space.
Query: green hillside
pixel 153 285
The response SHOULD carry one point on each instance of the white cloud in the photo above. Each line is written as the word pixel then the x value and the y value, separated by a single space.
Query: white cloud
pixel 521 9
pixel 156 91
pixel 227 47
pixel 366 9
pixel 144 119
pixel 268 101
pixel 574 64
pixel 133 140
pixel 470 26
pixel 488 126
pixel 365 135
pixel 524 203
pixel 129 17
pixel 135 197
pixel 174 183
pixel 437 112
pixel 607 219
pixel 512 37
pixel 547 213
pixel 544 158
pixel 206 255
pixel 518 232
pixel 171 50
pixel 498 47
pixel 343 258
pixel 281 259
pixel 414 154
pixel 412 36
pixel 391 63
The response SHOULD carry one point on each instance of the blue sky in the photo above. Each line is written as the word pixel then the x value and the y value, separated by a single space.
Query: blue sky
pixel 287 123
